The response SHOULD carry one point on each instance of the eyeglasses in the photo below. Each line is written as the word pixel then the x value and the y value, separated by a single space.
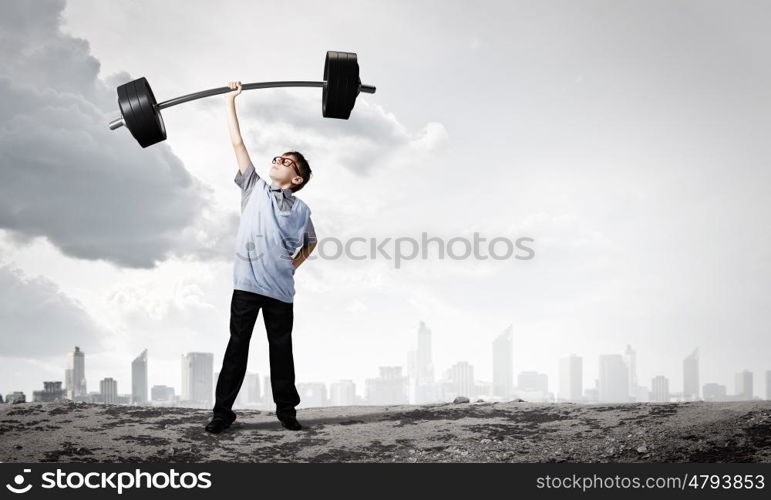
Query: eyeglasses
pixel 287 162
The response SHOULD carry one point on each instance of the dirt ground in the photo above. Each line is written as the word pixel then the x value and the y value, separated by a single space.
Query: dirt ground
pixel 464 432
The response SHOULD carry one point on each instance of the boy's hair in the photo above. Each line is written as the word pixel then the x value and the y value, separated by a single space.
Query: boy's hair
pixel 303 167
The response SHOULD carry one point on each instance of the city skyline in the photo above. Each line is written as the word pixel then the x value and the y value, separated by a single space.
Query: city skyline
pixel 617 382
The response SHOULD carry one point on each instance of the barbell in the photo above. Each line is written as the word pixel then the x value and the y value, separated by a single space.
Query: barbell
pixel 141 113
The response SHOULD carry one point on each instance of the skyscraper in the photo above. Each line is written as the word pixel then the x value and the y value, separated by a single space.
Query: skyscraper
pixel 461 376
pixel 571 378
pixel 420 369
pixel 744 389
pixel 108 388
pixel 768 385
pixel 691 376
pixel 614 379
pixel 77 365
pixel 630 357
pixel 425 364
pixel 197 385
pixel 660 389
pixel 503 364
pixel 139 379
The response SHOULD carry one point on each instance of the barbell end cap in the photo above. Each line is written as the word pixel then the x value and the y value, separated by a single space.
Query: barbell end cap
pixel 117 123
pixel 367 89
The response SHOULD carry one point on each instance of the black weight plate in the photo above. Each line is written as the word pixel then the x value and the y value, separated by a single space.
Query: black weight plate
pixel 351 81
pixel 336 95
pixel 150 131
pixel 147 101
pixel 131 111
pixel 144 122
pixel 132 114
pixel 331 90
pixel 154 130
pixel 341 75
pixel 125 108
pixel 325 89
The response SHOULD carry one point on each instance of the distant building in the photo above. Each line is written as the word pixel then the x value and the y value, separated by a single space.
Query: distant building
pixel 162 393
pixel 768 385
pixel 342 393
pixel 420 369
pixel 389 388
pixel 77 367
pixel 52 391
pixel 533 381
pixel 139 379
pixel 197 384
pixel 252 382
pixel 643 394
pixel 614 379
pixel 69 383
pixel 267 393
pixel 714 392
pixel 744 385
pixel 15 397
pixel 108 390
pixel 592 394
pixel 660 389
pixel 571 378
pixel 503 364
pixel 312 394
pixel 630 358
pixel 691 377
pixel 484 390
pixel 461 378
pixel 533 386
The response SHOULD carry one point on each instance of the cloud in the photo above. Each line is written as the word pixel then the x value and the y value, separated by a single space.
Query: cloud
pixel 65 176
pixel 371 138
pixel 39 320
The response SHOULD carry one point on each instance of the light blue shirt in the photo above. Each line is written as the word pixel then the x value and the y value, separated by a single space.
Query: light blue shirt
pixel 274 224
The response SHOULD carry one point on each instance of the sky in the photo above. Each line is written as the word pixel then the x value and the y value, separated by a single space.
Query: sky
pixel 627 140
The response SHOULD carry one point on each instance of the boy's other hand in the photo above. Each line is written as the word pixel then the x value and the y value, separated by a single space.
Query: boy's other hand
pixel 237 90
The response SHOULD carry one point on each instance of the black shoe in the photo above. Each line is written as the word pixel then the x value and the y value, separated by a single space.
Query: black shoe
pixel 291 423
pixel 218 424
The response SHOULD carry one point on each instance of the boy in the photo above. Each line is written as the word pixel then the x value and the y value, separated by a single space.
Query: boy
pixel 273 224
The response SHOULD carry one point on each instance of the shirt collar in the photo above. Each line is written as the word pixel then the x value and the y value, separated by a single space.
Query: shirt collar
pixel 286 192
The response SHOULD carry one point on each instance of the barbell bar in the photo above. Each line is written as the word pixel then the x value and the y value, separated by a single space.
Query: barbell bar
pixel 141 113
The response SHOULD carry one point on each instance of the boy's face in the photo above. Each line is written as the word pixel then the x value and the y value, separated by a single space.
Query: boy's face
pixel 284 172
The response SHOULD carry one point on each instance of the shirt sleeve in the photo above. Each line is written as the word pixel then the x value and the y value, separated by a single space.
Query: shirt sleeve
pixel 309 236
pixel 247 181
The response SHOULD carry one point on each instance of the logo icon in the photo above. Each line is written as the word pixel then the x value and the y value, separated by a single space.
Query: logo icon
pixel 19 480
pixel 250 247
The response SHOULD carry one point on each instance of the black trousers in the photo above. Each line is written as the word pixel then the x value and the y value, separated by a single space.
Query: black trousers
pixel 278 317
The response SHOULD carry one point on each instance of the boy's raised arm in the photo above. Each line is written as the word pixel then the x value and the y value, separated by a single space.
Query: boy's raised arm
pixel 242 156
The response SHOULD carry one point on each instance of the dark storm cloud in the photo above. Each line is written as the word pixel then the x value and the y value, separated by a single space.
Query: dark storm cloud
pixel 64 175
pixel 38 320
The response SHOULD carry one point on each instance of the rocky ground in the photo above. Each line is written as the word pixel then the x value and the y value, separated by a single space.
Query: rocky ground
pixel 463 432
